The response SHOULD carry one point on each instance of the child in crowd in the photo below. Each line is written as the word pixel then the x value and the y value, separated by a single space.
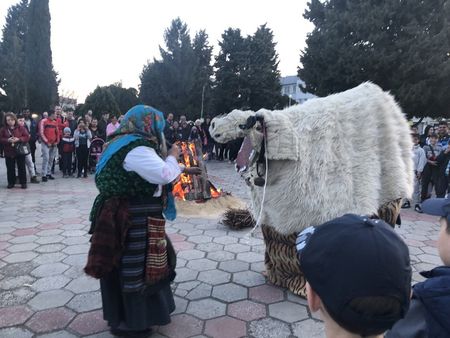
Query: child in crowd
pixel 28 158
pixel 429 313
pixel 83 139
pixel 67 147
pixel 358 275
pixel 419 162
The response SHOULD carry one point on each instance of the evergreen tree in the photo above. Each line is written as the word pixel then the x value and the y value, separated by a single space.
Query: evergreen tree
pixel 100 100
pixel 263 74
pixel 230 91
pixel 12 57
pixel 125 98
pixel 168 84
pixel 42 85
pixel 403 46
pixel 201 93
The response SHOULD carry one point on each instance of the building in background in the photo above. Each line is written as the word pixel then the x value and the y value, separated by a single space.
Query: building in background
pixel 67 103
pixel 290 86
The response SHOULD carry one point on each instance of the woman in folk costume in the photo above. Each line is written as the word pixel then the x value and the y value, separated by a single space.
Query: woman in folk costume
pixel 130 252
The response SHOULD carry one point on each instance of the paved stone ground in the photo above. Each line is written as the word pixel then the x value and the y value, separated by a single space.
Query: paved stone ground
pixel 220 291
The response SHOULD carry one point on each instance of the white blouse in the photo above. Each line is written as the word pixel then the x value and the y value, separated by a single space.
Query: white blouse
pixel 146 163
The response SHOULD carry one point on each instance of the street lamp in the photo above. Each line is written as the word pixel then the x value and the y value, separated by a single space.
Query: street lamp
pixel 203 98
pixel 290 98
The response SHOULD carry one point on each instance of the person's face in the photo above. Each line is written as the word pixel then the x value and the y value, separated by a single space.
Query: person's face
pixel 45 115
pixel 170 117
pixel 105 116
pixel 175 124
pixel 21 122
pixel 94 123
pixel 114 120
pixel 66 134
pixel 443 129
pixel 414 130
pixel 70 115
pixel 415 140
pixel 431 131
pixel 433 140
pixel 58 110
pixel 27 113
pixel 10 121
pixel 81 125
pixel 182 119
pixel 443 243
pixel 208 120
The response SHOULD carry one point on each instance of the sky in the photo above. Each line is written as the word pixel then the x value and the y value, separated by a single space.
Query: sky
pixel 100 42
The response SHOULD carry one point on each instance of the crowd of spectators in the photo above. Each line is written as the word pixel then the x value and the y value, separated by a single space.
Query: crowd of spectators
pixel 64 140
pixel 188 131
pixel 431 154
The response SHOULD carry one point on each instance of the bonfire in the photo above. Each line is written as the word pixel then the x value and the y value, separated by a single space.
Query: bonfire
pixel 194 187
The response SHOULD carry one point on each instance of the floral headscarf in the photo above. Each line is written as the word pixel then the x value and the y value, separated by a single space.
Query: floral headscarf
pixel 139 122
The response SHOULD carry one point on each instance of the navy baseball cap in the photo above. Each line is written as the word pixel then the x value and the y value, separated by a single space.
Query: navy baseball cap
pixel 352 258
pixel 437 207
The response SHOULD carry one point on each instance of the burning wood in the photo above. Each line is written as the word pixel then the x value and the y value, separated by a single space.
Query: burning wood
pixel 194 187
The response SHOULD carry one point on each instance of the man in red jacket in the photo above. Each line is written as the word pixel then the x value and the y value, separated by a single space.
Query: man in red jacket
pixel 49 133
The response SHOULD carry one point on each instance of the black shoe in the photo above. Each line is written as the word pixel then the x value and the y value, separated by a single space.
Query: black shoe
pixel 406 205
pixel 23 186
pixel 44 178
pixel 10 186
pixel 34 180
pixel 50 177
pixel 418 208
pixel 79 175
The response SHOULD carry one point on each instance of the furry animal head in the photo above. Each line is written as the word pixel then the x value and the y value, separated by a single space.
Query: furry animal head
pixel 226 128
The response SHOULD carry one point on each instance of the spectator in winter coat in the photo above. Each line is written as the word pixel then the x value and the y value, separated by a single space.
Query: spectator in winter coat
pixel 83 139
pixel 443 161
pixel 49 132
pixel 29 163
pixel 429 311
pixel 10 135
pixel 103 123
pixel 444 137
pixel 419 161
pixel 112 126
pixel 67 148
pixel 430 175
pixel 95 131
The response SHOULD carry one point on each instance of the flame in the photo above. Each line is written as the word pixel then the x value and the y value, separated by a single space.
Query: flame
pixel 185 185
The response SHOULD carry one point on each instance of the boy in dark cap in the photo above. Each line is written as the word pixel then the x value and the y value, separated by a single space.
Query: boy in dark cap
pixel 358 275
pixel 429 313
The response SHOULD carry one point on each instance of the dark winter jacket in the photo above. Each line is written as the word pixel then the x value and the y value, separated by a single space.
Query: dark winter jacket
pixel 32 130
pixel 19 132
pixel 429 313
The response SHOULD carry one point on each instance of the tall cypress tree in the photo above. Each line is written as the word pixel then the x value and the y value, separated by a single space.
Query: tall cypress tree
pixel 168 84
pixel 41 78
pixel 230 91
pixel 262 74
pixel 201 92
pixel 12 57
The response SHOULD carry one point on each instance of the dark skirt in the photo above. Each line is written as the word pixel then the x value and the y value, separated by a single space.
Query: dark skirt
pixel 142 309
pixel 136 310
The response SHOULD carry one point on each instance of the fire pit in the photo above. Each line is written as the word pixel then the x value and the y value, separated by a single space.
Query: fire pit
pixel 194 187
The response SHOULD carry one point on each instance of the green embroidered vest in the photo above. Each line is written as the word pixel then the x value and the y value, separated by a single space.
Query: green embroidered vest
pixel 115 181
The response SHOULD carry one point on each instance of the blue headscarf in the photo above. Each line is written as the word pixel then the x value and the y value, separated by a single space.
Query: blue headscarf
pixel 140 121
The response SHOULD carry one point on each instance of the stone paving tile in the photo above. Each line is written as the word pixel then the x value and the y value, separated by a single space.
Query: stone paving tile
pixel 266 294
pixel 50 320
pixel 50 299
pixel 47 258
pixel 288 311
pixel 86 302
pixel 201 291
pixel 185 274
pixel 15 282
pixel 214 277
pixel 20 257
pixel 52 269
pixel 58 334
pixel 247 310
pixel 16 297
pixel 182 326
pixel 201 264
pixel 206 308
pixel 265 328
pixel 83 284
pixel 233 266
pixel 225 327
pixel 229 292
pixel 50 283
pixel 15 315
pixel 249 278
pixel 220 256
pixel 13 332
pixel 89 323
